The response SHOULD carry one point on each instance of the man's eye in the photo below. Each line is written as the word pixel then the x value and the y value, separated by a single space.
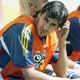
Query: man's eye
pixel 52 24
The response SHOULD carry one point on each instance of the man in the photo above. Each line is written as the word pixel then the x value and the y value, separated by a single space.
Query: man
pixel 31 43
pixel 73 49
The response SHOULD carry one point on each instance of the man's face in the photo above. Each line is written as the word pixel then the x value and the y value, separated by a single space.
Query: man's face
pixel 46 25
pixel 31 6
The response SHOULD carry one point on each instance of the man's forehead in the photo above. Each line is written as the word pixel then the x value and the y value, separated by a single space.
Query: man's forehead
pixel 52 20
pixel 48 18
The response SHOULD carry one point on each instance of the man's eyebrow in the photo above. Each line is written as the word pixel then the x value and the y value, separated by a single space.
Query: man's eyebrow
pixel 54 24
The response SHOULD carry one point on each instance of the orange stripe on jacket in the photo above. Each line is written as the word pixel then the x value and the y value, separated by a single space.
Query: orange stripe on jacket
pixel 75 13
pixel 20 19
pixel 75 55
pixel 11 70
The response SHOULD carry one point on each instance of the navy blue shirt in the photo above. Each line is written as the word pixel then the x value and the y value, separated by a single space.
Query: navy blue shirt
pixel 74 34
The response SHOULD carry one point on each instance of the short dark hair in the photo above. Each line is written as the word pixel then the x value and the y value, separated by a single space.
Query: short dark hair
pixel 78 7
pixel 56 10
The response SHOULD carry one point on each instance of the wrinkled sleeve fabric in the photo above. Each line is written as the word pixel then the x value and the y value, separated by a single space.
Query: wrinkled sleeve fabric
pixel 19 39
pixel 74 36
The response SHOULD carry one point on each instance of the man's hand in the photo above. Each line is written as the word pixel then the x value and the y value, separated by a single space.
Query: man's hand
pixel 62 33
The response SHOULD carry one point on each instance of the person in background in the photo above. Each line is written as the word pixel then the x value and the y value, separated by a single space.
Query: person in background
pixel 31 43
pixel 73 48
pixel 29 7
